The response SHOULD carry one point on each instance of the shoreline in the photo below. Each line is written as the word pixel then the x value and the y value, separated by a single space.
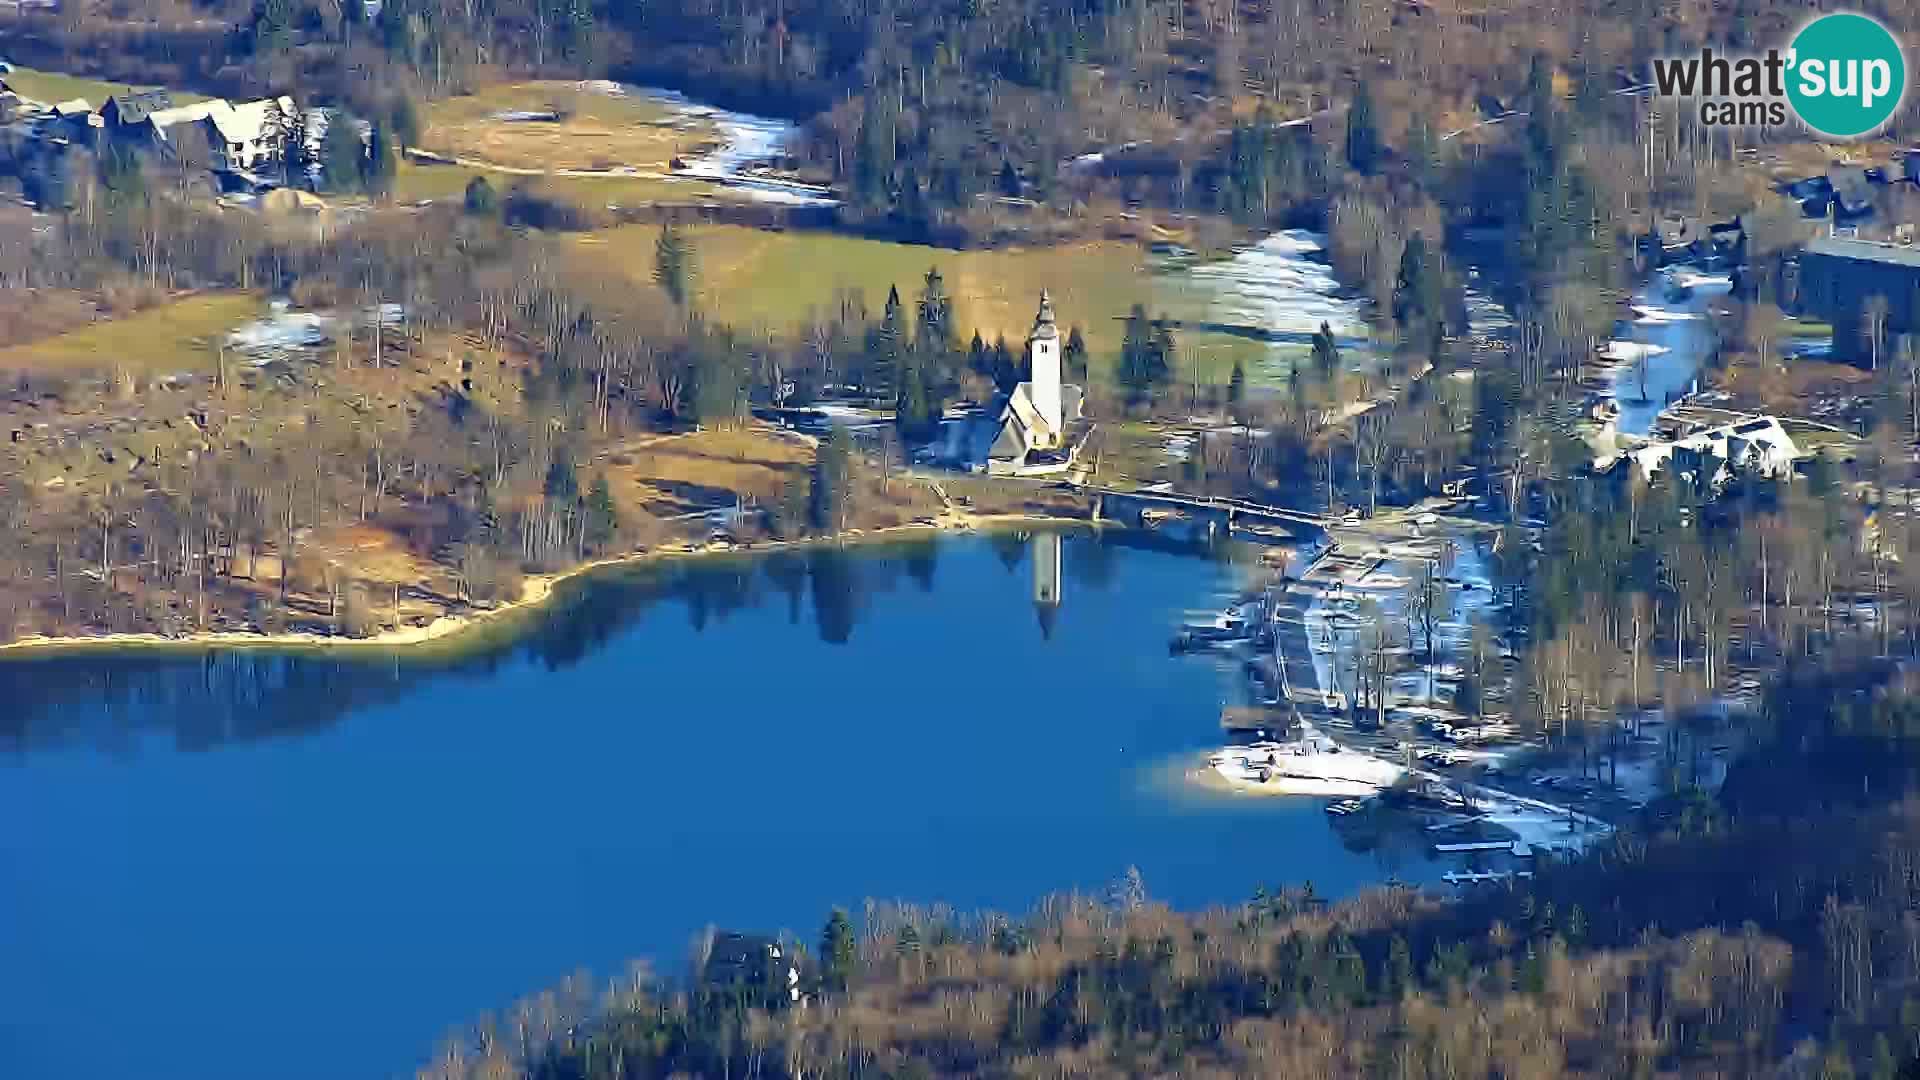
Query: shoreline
pixel 536 590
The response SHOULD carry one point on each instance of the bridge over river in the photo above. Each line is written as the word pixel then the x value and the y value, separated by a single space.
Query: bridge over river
pixel 1208 517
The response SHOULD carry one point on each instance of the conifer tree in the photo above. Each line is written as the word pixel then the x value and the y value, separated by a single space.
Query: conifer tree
pixel 673 264
pixel 832 491
pixel 1363 137
pixel 341 152
pixel 886 342
pixel 1416 290
pixel 1074 356
pixel 603 518
pixel 1326 352
pixel 837 952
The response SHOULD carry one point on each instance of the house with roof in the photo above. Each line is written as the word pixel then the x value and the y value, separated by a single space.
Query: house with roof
pixel 71 121
pixel 122 113
pixel 1852 191
pixel 1041 413
pixel 239 137
pixel 754 963
pixel 1754 447
pixel 244 137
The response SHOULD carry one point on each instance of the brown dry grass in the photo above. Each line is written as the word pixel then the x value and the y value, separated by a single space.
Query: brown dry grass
pixel 179 336
pixel 662 476
pixel 599 131
pixel 1786 387
pixel 31 314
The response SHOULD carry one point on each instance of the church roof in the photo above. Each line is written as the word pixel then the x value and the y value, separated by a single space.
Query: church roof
pixel 1010 444
pixel 1018 420
pixel 1043 325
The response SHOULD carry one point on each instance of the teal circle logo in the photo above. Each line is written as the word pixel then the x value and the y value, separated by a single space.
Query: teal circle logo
pixel 1846 75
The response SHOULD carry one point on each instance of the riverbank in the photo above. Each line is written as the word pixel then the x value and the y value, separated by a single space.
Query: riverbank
pixel 536 591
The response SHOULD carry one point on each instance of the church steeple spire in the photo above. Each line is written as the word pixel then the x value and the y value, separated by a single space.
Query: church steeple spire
pixel 1043 326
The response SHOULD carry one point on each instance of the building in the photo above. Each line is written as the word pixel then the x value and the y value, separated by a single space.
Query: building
pixel 1759 447
pixel 753 962
pixel 238 138
pixel 70 121
pixel 122 113
pixel 1040 413
pixel 1839 277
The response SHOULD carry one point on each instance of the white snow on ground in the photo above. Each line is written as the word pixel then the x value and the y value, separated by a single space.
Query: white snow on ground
pixel 1678 330
pixel 1542 829
pixel 1628 351
pixel 1468 598
pixel 746 140
pixel 1686 277
pixel 1313 765
pixel 1652 315
pixel 280 334
pixel 1278 284
pixel 284 333
pixel 850 415
pixel 1284 285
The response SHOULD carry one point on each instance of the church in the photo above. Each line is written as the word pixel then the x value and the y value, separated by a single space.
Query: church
pixel 1039 414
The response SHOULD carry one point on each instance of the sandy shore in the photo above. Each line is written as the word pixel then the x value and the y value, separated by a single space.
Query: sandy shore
pixel 536 590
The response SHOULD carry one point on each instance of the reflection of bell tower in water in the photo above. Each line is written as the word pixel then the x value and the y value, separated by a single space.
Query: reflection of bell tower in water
pixel 1048 556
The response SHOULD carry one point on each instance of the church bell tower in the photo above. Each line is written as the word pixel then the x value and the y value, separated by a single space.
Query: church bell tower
pixel 1043 351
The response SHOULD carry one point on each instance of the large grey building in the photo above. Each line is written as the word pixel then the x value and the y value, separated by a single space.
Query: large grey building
pixel 1839 279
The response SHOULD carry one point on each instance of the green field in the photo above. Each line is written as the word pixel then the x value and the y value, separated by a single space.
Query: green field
pixel 419 181
pixel 179 336
pixel 52 87
pixel 781 279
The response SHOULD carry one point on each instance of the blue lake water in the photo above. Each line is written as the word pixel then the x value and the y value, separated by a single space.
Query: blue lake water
pixel 245 864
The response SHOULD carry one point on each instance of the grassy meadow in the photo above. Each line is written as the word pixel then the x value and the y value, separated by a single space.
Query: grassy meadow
pixel 778 279
pixel 598 130
pixel 421 181
pixel 176 336
pixel 52 87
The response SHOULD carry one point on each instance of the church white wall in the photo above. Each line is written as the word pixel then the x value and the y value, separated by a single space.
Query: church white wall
pixel 1045 355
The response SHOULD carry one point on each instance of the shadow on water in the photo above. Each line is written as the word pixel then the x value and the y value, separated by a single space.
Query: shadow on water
pixel 209 698
pixel 398 842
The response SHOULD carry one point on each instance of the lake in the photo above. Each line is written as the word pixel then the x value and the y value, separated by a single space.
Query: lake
pixel 245 863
